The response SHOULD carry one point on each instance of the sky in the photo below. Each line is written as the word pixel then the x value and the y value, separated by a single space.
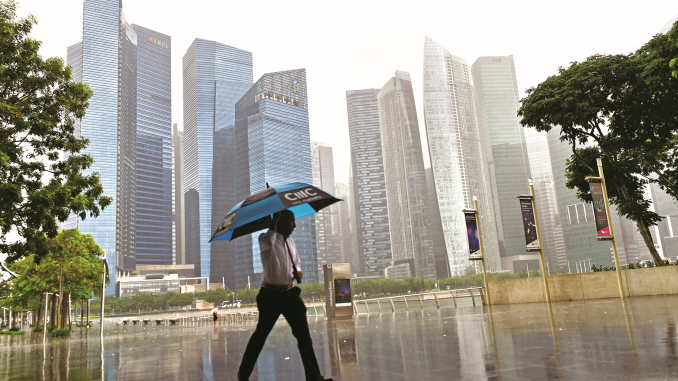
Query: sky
pixel 352 45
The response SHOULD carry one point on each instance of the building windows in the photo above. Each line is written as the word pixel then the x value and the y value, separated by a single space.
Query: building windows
pixel 579 213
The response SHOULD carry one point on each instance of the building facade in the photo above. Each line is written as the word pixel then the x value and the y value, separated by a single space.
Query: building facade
pixel 328 238
pixel 368 186
pixel 545 195
pixel 576 217
pixel 224 184
pixel 345 233
pixel 273 146
pixel 404 174
pixel 459 167
pixel 437 234
pixel 179 208
pixel 96 62
pixel 503 141
pixel 204 63
pixel 154 238
pixel 128 125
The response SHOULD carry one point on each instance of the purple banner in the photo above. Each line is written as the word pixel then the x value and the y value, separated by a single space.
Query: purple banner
pixel 531 240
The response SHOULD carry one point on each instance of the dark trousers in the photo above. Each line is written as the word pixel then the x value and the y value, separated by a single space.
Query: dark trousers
pixel 271 304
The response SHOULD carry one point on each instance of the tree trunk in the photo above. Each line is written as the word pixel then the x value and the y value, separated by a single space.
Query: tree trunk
pixel 63 315
pixel 87 312
pixel 645 233
pixel 60 299
pixel 40 311
pixel 82 310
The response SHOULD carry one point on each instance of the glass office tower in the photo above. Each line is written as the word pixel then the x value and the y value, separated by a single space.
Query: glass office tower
pixel 328 240
pixel 179 217
pixel 370 211
pixel 406 191
pixel 224 186
pixel 503 141
pixel 459 168
pixel 273 146
pixel 204 63
pixel 544 190
pixel 96 61
pixel 154 233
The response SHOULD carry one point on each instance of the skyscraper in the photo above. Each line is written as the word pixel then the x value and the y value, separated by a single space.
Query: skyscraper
pixel 503 141
pixel 179 208
pixel 345 231
pixel 326 220
pixel 205 63
pixel 370 211
pixel 224 184
pixel 272 145
pixel 404 174
pixel 458 164
pixel 96 61
pixel 153 224
pixel 128 124
pixel 544 190
pixel 437 235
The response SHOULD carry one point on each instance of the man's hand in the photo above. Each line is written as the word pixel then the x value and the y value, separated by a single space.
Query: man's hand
pixel 301 275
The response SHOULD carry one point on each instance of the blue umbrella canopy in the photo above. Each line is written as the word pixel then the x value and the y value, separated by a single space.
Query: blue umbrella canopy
pixel 254 213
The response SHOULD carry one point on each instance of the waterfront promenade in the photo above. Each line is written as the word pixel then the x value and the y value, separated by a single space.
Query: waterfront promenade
pixel 593 340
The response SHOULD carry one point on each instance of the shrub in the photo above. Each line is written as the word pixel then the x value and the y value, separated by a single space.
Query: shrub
pixel 60 332
pixel 14 329
pixel 32 325
pixel 3 326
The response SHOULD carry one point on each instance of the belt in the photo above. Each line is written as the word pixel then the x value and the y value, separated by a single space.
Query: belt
pixel 275 287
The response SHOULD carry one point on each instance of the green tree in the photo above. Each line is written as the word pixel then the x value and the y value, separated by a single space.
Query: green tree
pixel 621 108
pixel 181 300
pixel 218 296
pixel 39 105
pixel 673 37
pixel 72 267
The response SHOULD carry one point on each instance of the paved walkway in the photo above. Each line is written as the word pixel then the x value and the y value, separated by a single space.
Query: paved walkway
pixel 593 341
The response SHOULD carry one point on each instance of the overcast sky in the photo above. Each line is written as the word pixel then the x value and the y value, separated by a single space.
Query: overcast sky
pixel 353 45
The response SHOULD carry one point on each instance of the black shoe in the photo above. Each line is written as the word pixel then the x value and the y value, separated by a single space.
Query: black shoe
pixel 242 378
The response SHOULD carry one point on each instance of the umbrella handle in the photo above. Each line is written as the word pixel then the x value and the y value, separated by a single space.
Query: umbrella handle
pixel 294 267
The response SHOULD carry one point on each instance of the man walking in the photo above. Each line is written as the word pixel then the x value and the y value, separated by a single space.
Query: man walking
pixel 278 295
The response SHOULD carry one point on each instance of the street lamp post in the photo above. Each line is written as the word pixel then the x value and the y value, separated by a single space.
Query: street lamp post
pixel 103 295
pixel 541 247
pixel 480 244
pixel 601 178
pixel 44 320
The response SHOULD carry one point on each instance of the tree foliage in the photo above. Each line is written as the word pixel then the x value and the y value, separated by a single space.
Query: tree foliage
pixel 39 106
pixel 673 37
pixel 621 108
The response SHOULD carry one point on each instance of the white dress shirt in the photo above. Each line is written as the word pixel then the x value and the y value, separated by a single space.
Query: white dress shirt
pixel 276 260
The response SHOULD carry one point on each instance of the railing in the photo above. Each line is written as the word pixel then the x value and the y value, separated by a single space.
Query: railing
pixel 459 298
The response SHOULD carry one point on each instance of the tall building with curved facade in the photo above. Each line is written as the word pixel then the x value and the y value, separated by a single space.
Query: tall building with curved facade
pixel 406 192
pixel 459 168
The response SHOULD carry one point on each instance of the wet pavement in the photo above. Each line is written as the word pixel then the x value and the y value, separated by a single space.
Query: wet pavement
pixel 572 340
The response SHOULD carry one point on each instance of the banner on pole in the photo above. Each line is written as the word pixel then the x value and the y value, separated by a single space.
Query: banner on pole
pixel 531 241
pixel 599 210
pixel 472 234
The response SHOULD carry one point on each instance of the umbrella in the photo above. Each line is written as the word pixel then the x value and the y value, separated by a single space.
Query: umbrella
pixel 254 213
pixel 214 309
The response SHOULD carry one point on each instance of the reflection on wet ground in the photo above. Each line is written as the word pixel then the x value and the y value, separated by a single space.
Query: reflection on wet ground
pixel 572 340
